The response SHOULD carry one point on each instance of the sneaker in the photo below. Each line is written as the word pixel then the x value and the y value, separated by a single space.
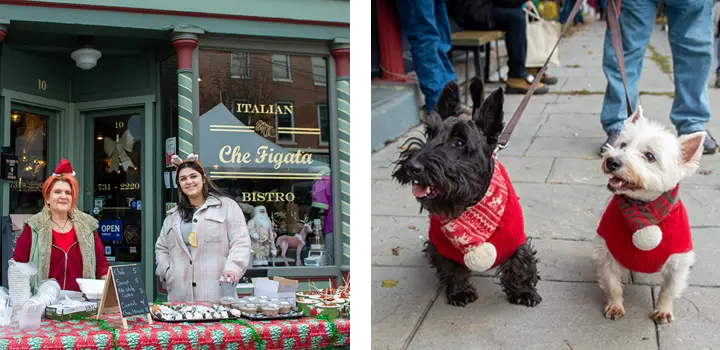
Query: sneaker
pixel 522 85
pixel 709 144
pixel 612 137
pixel 546 79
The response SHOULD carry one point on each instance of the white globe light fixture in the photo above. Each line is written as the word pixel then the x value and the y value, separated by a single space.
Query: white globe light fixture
pixel 86 58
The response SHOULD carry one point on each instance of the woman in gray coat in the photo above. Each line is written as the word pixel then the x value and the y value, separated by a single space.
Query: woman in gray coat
pixel 203 238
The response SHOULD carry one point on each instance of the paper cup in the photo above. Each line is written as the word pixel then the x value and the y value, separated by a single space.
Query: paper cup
pixel 329 311
pixel 305 305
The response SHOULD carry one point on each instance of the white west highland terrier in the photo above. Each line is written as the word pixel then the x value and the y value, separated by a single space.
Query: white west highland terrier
pixel 645 227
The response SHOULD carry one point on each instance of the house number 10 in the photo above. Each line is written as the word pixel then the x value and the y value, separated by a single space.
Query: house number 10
pixel 42 85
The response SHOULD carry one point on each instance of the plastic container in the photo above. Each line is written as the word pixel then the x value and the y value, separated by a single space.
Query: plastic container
pixel 30 320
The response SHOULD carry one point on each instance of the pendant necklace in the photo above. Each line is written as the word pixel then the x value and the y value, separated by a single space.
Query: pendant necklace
pixel 62 229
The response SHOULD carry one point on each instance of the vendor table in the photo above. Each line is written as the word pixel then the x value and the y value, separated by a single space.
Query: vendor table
pixel 303 333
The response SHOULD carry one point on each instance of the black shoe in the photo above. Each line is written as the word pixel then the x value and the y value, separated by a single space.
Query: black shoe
pixel 709 144
pixel 612 137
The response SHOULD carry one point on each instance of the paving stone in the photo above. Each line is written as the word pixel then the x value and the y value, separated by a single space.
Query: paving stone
pixel 517 146
pixel 381 170
pixel 570 316
pixel 702 205
pixel 578 171
pixel 396 310
pixel 572 126
pixel 706 271
pixel 569 261
pixel 696 320
pixel 708 173
pixel 524 169
pixel 528 125
pixel 573 104
pixel 565 147
pixel 389 198
pixel 593 83
pixel 403 233
pixel 561 211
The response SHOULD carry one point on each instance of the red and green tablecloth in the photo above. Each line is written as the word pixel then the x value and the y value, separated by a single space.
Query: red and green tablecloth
pixel 304 333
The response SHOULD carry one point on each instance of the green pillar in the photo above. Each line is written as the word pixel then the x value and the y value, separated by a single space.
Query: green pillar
pixel 341 55
pixel 184 44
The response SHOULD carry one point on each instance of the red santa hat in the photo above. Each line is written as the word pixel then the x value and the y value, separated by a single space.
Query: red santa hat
pixel 64 168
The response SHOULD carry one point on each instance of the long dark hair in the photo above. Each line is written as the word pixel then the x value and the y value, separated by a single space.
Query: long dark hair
pixel 209 189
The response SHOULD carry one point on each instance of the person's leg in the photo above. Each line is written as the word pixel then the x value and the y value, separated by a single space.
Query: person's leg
pixel 691 41
pixel 565 11
pixel 512 22
pixel 717 72
pixel 636 23
pixel 442 22
pixel 579 16
pixel 417 18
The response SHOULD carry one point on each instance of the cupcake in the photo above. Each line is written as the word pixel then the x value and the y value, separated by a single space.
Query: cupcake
pixel 249 308
pixel 252 299
pixel 285 307
pixel 273 300
pixel 270 310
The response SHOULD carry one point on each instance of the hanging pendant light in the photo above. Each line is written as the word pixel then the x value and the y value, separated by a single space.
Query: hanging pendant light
pixel 86 57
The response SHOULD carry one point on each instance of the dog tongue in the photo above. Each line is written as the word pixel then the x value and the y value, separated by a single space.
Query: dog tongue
pixel 419 191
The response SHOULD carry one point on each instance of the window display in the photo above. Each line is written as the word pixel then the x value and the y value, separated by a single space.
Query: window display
pixel 264 138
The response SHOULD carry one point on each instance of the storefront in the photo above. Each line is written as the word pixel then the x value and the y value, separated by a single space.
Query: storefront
pixel 263 100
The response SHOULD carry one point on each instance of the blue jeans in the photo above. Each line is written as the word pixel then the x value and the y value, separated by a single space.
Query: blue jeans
pixel 565 12
pixel 425 24
pixel 691 41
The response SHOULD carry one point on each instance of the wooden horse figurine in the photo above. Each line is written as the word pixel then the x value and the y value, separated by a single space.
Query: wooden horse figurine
pixel 297 241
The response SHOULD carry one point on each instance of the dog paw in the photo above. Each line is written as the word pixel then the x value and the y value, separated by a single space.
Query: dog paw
pixel 661 317
pixel 462 296
pixel 529 299
pixel 614 311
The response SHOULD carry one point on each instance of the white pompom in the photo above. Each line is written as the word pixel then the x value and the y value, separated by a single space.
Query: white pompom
pixel 481 258
pixel 647 238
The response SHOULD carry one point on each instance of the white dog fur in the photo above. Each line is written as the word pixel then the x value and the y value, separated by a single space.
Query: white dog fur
pixel 676 158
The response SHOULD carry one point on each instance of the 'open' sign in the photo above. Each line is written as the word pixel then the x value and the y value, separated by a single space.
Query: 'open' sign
pixel 111 230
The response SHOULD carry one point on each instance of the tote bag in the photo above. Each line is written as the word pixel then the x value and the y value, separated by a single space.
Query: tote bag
pixel 541 37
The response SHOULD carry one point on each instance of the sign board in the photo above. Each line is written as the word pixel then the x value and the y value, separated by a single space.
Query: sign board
pixel 8 166
pixel 110 230
pixel 125 288
pixel 170 150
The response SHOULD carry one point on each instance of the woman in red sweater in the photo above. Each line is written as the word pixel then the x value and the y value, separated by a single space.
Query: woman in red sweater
pixel 60 240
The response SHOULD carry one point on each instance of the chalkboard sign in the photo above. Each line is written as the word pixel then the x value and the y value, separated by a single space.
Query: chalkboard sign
pixel 125 288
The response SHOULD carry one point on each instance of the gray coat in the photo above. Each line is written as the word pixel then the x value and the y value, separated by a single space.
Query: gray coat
pixel 223 244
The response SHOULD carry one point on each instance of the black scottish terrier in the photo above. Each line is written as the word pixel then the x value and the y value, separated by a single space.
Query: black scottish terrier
pixel 451 171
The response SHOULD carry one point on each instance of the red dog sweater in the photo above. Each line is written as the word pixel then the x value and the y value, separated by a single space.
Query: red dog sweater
pixel 623 217
pixel 485 234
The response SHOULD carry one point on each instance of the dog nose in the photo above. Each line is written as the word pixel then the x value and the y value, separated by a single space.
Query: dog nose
pixel 613 164
pixel 414 167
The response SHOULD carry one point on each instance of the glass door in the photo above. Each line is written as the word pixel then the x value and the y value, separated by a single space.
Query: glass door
pixel 114 166
pixel 29 141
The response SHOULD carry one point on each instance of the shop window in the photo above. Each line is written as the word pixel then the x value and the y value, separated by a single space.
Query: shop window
pixel 240 65
pixel 284 122
pixel 319 71
pixel 266 149
pixel 28 140
pixel 281 68
pixel 324 122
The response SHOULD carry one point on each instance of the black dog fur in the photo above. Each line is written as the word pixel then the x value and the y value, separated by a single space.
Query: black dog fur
pixel 455 160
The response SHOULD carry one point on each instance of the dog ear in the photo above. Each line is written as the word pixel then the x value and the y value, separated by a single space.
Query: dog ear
pixel 637 115
pixel 477 92
pixel 489 117
pixel 449 99
pixel 691 148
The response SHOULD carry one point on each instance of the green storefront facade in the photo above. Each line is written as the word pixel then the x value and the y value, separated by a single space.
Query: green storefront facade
pixel 259 89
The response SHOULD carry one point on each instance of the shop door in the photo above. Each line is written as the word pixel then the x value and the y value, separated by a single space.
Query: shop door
pixel 113 162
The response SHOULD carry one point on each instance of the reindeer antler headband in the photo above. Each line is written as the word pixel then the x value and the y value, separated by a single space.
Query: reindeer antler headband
pixel 191 158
